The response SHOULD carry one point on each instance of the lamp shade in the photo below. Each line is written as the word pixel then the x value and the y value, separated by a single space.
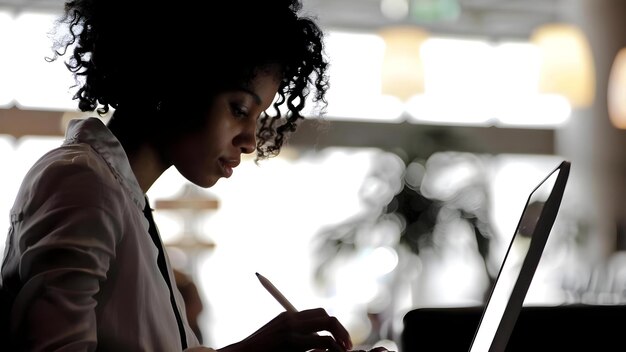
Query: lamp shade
pixel 403 69
pixel 567 66
pixel 616 95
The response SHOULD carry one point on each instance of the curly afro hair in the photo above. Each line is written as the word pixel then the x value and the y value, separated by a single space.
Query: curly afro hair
pixel 149 56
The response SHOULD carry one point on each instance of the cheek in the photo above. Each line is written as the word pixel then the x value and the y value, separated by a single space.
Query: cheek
pixel 187 151
pixel 197 161
pixel 196 156
pixel 211 144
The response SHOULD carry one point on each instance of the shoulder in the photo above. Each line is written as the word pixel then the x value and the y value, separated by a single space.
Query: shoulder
pixel 73 175
pixel 72 164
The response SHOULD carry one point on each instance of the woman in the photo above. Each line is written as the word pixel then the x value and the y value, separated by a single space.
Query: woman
pixel 189 86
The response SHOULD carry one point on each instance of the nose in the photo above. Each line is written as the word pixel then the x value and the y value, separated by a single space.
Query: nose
pixel 249 148
pixel 246 139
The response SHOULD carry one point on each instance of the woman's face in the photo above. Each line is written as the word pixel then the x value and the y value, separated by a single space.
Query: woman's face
pixel 212 152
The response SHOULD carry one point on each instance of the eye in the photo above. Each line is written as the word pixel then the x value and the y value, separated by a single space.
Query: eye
pixel 239 110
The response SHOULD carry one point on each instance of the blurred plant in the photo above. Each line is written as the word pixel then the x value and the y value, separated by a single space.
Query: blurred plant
pixel 412 196
pixel 405 199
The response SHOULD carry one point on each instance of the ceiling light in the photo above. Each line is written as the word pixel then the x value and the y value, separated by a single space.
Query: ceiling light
pixel 567 66
pixel 403 69
pixel 616 97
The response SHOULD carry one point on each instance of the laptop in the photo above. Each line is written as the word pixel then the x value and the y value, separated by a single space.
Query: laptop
pixel 450 329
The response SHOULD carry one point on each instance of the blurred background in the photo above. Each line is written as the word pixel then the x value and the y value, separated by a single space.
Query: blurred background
pixel 443 115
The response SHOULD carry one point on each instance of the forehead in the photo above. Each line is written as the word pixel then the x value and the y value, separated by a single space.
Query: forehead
pixel 264 85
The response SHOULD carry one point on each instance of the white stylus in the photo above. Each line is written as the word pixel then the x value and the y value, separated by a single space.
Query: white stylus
pixel 276 293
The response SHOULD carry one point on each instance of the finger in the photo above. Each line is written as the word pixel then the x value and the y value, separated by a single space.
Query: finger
pixel 318 320
pixel 318 342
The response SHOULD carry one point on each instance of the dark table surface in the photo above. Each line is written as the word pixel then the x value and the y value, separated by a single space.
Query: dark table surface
pixel 575 327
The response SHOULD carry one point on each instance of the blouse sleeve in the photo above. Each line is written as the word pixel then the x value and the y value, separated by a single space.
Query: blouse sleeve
pixel 67 237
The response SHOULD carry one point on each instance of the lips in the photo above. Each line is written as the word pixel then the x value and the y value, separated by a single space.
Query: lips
pixel 228 165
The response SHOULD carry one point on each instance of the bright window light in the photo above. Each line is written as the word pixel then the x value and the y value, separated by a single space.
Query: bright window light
pixel 446 110
pixel 471 82
pixel 535 111
pixel 456 78
pixel 514 69
pixel 6 61
pixel 456 67
pixel 38 83
pixel 517 101
pixel 355 72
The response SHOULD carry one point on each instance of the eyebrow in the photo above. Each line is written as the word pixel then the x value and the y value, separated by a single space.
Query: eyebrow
pixel 257 98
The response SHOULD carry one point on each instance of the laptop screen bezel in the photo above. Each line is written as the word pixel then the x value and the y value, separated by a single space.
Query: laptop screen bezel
pixel 537 243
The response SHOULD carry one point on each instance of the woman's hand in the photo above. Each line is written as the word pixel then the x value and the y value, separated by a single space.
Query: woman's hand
pixel 297 331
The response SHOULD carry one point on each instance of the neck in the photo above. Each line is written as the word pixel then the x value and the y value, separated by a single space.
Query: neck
pixel 147 165
pixel 145 159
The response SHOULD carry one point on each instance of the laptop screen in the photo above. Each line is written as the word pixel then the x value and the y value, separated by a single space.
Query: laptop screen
pixel 519 263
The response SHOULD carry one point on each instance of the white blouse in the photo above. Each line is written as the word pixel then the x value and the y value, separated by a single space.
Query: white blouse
pixel 80 268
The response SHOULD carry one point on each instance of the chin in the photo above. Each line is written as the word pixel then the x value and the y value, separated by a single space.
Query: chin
pixel 204 180
pixel 207 183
